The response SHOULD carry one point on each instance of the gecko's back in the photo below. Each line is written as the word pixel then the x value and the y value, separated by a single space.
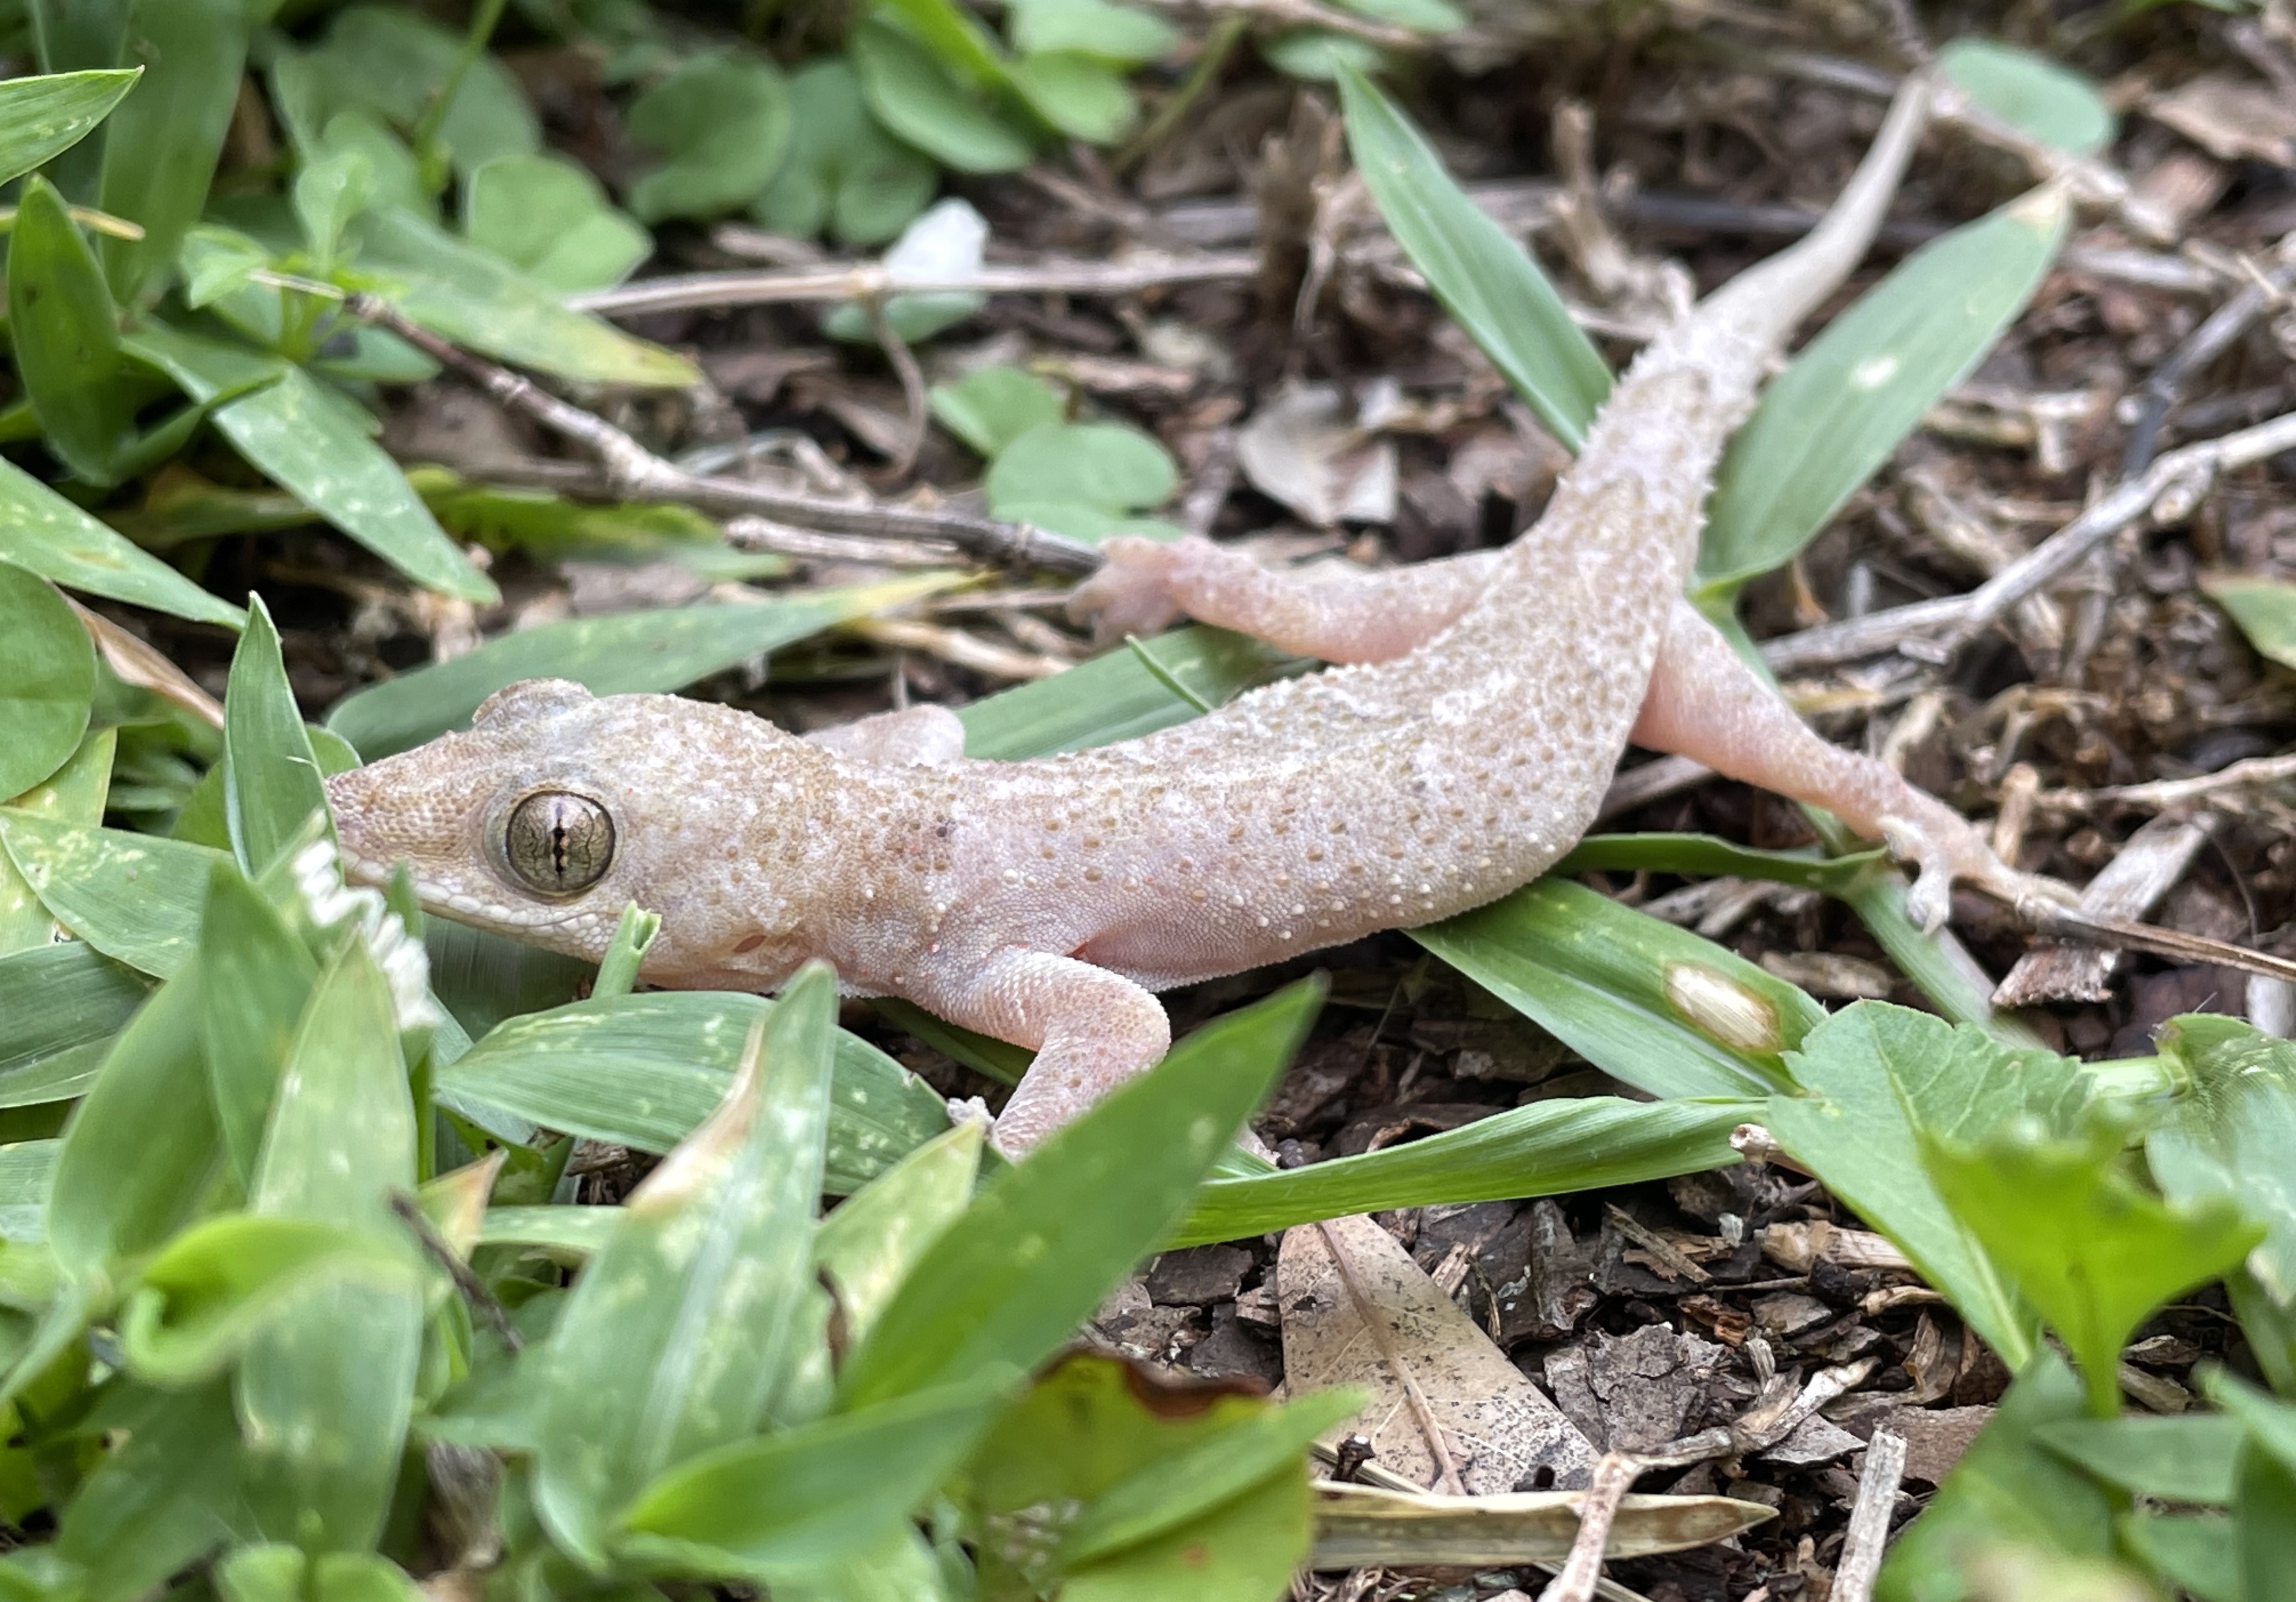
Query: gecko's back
pixel 1401 792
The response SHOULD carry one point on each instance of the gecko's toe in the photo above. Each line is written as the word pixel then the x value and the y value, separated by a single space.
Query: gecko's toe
pixel 1132 593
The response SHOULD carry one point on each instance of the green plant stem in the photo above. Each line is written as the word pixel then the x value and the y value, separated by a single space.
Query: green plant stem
pixel 1219 45
pixel 483 19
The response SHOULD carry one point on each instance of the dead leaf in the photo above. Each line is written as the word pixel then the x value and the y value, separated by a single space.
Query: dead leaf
pixel 1358 1310
pixel 136 662
pixel 1297 449
pixel 2231 118
pixel 1362 1527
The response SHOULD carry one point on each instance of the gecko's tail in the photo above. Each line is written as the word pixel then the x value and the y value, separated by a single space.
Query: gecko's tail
pixel 1768 301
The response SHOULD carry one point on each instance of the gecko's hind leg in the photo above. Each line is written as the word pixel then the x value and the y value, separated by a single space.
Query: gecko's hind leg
pixel 1092 1030
pixel 1706 704
pixel 1340 614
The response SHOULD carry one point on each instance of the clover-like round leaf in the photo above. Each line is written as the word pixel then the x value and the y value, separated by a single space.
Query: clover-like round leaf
pixel 1105 465
pixel 548 217
pixel 911 94
pixel 989 409
pixel 47 678
pixel 722 120
pixel 1077 94
pixel 2031 94
pixel 843 172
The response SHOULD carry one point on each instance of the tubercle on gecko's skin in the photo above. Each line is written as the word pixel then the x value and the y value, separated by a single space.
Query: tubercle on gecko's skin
pixel 1034 900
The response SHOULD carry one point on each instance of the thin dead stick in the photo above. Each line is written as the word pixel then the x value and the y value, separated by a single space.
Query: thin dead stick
pixel 2161 794
pixel 628 470
pixel 869 280
pixel 1308 13
pixel 2170 488
pixel 1869 1518
pixel 472 1289
pixel 1615 1474
pixel 912 385
pixel 2148 867
pixel 2078 927
pixel 1776 1414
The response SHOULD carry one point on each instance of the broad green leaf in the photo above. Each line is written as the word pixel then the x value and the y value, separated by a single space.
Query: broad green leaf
pixel 1118 696
pixel 547 217
pixel 642 1070
pixel 911 93
pixel 2035 95
pixel 1543 1148
pixel 2264 608
pixel 2183 1457
pixel 483 978
pixel 1877 1080
pixel 2266 1525
pixel 1642 1000
pixel 278 1573
pixel 1090 1429
pixel 325 1388
pixel 478 299
pixel 210 1289
pixel 1318 56
pixel 393 61
pixel 271 776
pixel 304 438
pixel 65 332
pixel 136 898
pixel 142 1148
pixel 327 194
pixel 2092 1253
pixel 28 1172
pixel 1121 34
pixel 1481 278
pixel 2270 1422
pixel 683 1329
pixel 810 1495
pixel 721 121
pixel 1045 1239
pixel 869 1245
pixel 993 407
pixel 1428 16
pixel 1161 1497
pixel 63 1003
pixel 158 1502
pixel 634 651
pixel 43 533
pixel 1110 466
pixel 842 173
pixel 259 975
pixel 2006 1489
pixel 74 793
pixel 160 147
pixel 40 118
pixel 1860 388
pixel 48 680
pixel 1077 93
pixel 2232 1134
pixel 954 37
pixel 2194 1552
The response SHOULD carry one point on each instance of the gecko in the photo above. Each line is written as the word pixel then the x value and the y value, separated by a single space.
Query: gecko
pixel 1459 745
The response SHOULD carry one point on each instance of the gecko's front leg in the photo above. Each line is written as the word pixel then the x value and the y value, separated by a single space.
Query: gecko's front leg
pixel 1091 1030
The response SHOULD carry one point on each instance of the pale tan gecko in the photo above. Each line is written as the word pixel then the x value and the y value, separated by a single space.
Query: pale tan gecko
pixel 1043 902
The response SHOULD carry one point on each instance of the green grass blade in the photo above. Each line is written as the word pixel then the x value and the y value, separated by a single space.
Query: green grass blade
pixel 1859 389
pixel 40 118
pixel 1645 1002
pixel 1482 278
pixel 1545 1148
pixel 636 650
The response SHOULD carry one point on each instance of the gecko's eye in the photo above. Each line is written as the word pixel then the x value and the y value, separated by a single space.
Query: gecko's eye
pixel 558 843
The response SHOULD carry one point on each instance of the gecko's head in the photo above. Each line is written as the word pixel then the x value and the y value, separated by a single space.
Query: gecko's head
pixel 554 811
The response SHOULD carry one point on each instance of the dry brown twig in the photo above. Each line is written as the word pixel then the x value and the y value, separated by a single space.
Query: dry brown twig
pixel 628 470
pixel 1869 1518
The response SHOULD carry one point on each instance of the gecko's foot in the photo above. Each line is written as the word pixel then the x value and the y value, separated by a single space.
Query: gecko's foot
pixel 1134 593
pixel 1946 850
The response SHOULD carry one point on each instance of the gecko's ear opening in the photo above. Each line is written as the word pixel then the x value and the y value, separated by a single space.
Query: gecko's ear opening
pixel 529 696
